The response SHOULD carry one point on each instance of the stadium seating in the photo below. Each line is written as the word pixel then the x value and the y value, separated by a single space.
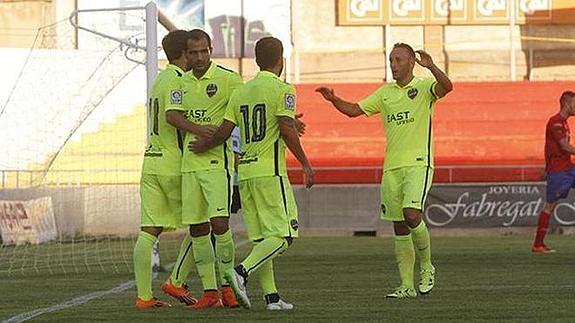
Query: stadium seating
pixel 484 132
pixel 498 126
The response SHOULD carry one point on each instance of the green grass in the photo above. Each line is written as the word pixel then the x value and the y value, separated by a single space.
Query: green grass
pixel 344 280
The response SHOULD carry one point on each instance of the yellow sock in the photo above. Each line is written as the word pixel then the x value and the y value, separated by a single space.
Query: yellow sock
pixel 143 264
pixel 205 261
pixel 184 263
pixel 225 254
pixel 405 257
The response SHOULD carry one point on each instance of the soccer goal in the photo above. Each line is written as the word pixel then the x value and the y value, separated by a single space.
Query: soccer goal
pixel 73 132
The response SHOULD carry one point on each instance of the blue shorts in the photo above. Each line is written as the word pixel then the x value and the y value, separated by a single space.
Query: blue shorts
pixel 559 184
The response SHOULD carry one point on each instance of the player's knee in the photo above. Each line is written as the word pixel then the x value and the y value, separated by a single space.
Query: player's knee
pixel 155 231
pixel 412 217
pixel 401 228
pixel 200 230
pixel 220 225
pixel 289 240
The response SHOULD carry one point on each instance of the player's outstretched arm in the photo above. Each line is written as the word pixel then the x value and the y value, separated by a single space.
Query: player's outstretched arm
pixel 444 84
pixel 290 136
pixel 222 134
pixel 177 119
pixel 351 110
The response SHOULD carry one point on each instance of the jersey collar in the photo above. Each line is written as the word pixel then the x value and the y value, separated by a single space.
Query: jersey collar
pixel 209 73
pixel 175 68
pixel 408 85
pixel 267 74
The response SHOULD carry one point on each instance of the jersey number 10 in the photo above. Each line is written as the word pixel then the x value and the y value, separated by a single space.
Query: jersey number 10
pixel 257 124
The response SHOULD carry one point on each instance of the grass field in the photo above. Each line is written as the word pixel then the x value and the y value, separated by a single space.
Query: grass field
pixel 343 280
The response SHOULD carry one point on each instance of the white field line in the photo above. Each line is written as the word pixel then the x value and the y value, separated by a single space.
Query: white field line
pixel 85 298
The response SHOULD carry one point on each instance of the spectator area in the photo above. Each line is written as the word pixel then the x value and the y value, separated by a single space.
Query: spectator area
pixel 484 132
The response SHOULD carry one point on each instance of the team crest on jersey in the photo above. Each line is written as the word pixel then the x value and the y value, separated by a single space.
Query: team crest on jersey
pixel 289 101
pixel 294 224
pixel 211 89
pixel 412 93
pixel 176 97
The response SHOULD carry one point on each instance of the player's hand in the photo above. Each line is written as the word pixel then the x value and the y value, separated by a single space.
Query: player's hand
pixel 309 173
pixel 206 131
pixel 299 125
pixel 425 59
pixel 199 145
pixel 327 93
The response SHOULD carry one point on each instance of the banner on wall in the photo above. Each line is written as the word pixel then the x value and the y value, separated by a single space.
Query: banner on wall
pixel 453 12
pixel 235 25
pixel 27 221
pixel 498 205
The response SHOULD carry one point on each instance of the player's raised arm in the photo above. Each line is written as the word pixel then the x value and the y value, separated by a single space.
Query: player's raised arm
pixel 290 136
pixel 444 84
pixel 350 109
pixel 222 134
pixel 177 119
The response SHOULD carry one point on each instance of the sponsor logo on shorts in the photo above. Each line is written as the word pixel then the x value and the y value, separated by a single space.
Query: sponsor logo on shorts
pixel 220 209
pixel 294 224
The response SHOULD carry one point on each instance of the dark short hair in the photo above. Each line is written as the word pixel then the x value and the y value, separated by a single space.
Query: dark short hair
pixel 566 97
pixel 268 51
pixel 197 34
pixel 175 43
pixel 405 46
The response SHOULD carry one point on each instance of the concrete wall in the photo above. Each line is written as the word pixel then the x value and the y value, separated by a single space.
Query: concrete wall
pixel 115 210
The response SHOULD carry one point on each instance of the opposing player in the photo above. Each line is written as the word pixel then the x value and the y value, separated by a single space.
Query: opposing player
pixel 160 185
pixel 264 110
pixel 406 108
pixel 207 178
pixel 559 169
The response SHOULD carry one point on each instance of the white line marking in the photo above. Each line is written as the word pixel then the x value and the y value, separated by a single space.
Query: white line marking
pixel 85 298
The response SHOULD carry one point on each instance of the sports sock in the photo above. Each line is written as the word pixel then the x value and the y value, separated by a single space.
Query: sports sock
pixel 405 257
pixel 420 236
pixel 263 252
pixel 184 263
pixel 542 227
pixel 205 261
pixel 225 254
pixel 143 264
pixel 266 278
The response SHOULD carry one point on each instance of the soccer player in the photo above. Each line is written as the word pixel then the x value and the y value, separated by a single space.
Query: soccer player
pixel 264 109
pixel 406 109
pixel 207 178
pixel 559 169
pixel 160 185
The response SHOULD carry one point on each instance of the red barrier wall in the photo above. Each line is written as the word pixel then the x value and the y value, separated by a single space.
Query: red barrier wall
pixel 495 123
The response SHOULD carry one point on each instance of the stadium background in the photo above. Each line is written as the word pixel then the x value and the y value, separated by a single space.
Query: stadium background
pixel 70 156
pixel 508 74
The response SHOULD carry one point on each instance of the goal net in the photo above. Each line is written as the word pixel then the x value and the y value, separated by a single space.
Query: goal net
pixel 73 131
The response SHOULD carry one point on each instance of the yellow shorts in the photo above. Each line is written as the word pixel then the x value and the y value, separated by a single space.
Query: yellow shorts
pixel 206 194
pixel 402 188
pixel 161 201
pixel 268 207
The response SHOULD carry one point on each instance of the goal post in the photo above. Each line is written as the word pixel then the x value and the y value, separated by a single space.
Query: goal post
pixel 73 139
